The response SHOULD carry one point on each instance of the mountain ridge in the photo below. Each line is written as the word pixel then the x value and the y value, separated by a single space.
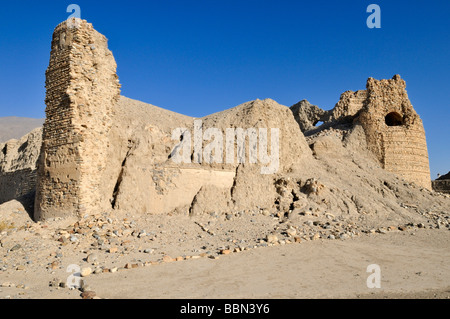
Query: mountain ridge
pixel 14 127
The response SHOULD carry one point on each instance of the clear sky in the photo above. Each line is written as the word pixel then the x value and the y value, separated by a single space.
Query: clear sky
pixel 198 57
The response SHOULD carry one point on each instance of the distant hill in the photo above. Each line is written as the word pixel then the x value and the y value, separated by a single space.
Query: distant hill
pixel 16 127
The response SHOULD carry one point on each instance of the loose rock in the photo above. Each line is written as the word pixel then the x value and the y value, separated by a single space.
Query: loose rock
pixel 88 295
pixel 85 272
pixel 272 239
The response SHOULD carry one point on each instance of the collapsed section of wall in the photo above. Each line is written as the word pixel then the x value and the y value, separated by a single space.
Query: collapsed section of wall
pixel 18 166
pixel 153 181
pixel 82 87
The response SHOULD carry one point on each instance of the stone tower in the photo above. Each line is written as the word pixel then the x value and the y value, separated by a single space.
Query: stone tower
pixel 394 131
pixel 82 89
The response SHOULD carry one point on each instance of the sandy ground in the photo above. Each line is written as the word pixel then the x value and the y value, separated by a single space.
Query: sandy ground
pixel 414 264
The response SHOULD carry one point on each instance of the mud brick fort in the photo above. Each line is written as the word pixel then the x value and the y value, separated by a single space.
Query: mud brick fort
pixel 99 150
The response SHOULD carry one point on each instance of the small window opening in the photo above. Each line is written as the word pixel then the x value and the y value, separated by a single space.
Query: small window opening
pixel 394 119
pixel 318 123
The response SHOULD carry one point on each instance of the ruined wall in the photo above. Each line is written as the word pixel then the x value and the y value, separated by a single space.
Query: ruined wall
pixel 82 87
pixel 442 184
pixel 394 131
pixel 151 182
pixel 349 105
pixel 102 151
pixel 18 160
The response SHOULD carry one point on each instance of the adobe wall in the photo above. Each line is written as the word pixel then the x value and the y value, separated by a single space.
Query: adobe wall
pixel 18 166
pixel 400 146
pixel 102 151
pixel 82 87
pixel 442 186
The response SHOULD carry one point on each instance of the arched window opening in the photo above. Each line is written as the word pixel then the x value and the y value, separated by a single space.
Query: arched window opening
pixel 394 119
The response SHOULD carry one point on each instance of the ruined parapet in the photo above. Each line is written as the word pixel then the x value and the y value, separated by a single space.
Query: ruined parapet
pixel 442 184
pixel 394 131
pixel 82 88
pixel 307 115
pixel 348 106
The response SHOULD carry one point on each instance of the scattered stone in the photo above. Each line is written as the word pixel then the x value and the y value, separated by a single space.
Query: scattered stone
pixel 15 247
pixel 142 234
pixel 55 283
pixel 54 265
pixel 343 236
pixel 113 250
pixel 85 272
pixel 92 258
pixel 272 239
pixel 167 259
pixel 88 295
pixel 98 271
pixel 315 236
pixel 225 251
pixel 291 232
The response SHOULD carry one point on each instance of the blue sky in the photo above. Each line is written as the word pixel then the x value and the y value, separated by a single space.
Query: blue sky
pixel 201 57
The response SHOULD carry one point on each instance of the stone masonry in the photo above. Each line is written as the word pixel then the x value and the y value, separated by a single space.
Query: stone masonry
pixel 82 87
pixel 394 131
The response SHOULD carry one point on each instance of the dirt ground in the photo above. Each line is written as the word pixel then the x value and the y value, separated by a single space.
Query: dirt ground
pixel 414 264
